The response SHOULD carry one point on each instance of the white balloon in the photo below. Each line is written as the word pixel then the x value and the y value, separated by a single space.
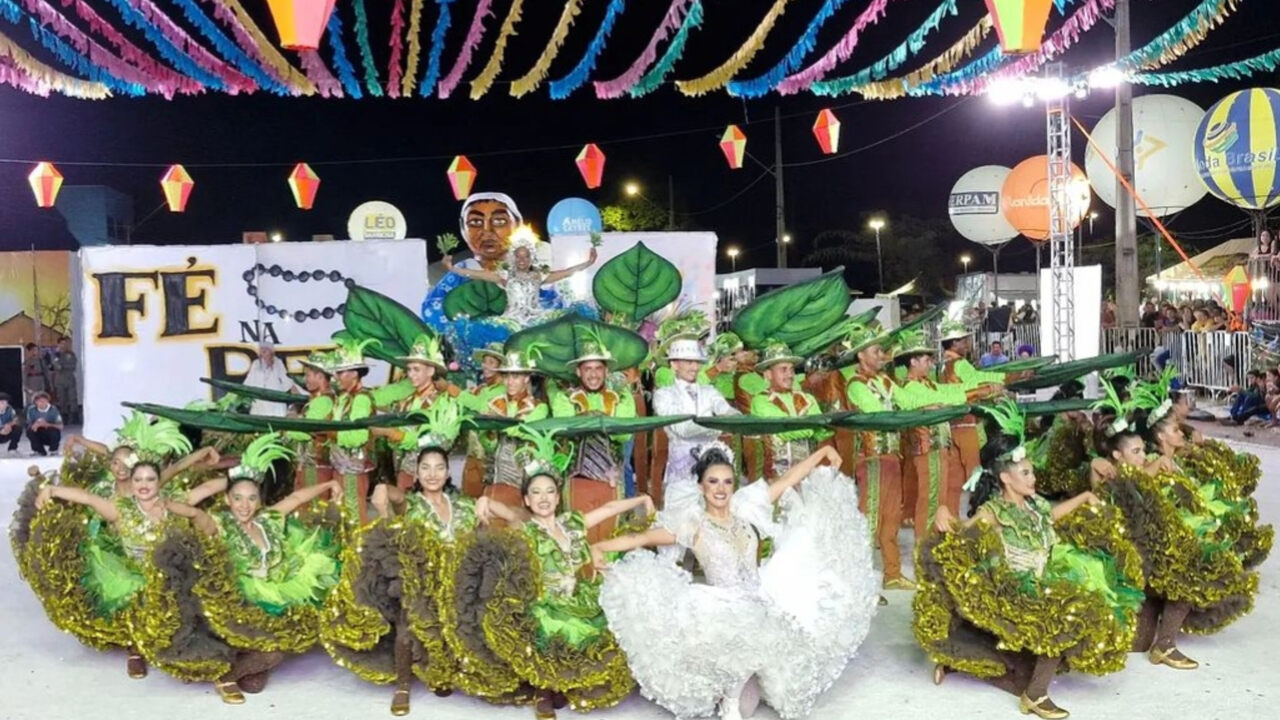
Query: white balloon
pixel 974 206
pixel 1164 131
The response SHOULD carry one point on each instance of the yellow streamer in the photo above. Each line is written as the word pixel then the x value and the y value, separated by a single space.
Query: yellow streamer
pixel 410 78
pixel 717 78
pixel 485 79
pixel 532 79
pixel 291 75
pixel 895 88
pixel 56 80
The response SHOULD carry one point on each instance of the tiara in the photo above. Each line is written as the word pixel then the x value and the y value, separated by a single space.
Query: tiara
pixel 700 451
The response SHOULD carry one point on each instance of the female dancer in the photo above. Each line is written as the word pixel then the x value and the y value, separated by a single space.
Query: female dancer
pixel 523 282
pixel 791 625
pixel 265 575
pixel 537 627
pixel 1023 587
pixel 136 428
pixel 1195 579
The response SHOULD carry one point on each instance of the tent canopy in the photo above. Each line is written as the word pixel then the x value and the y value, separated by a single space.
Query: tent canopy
pixel 1213 263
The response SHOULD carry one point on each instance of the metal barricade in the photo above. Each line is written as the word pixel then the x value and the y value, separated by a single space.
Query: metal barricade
pixel 1123 340
pixel 1201 359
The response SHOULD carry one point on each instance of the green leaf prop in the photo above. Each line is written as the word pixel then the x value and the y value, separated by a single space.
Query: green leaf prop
pixel 796 313
pixel 1060 373
pixel 563 338
pixel 237 423
pixel 475 299
pixel 1014 366
pixel 1053 407
pixel 447 243
pixel 636 283
pixel 900 419
pixel 603 424
pixel 255 392
pixel 484 423
pixel 831 335
pixel 752 425
pixel 370 314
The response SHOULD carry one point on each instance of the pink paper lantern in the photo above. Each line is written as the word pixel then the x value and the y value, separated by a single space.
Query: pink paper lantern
pixel 304 183
pixel 300 23
pixel 176 184
pixel 590 163
pixel 45 181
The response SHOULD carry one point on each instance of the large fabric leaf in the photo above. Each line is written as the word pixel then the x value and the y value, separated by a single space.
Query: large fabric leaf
pixel 603 424
pixel 833 334
pixel 900 419
pixel 796 313
pixel 1053 407
pixel 475 299
pixel 636 283
pixel 752 425
pixel 238 423
pixel 255 393
pixel 370 314
pixel 1014 366
pixel 1060 373
pixel 561 341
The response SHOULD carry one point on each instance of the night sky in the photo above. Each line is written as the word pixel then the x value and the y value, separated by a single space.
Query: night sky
pixel 129 142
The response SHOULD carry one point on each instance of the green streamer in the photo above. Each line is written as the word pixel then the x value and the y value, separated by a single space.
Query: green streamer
pixel 658 74
pixel 366 52
pixel 1267 62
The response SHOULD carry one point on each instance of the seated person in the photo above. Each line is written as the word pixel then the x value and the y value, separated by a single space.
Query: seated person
pixel 44 425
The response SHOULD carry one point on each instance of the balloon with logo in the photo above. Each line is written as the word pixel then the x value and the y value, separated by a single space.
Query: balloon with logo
pixel 974 206
pixel 1235 148
pixel 1164 169
pixel 1024 197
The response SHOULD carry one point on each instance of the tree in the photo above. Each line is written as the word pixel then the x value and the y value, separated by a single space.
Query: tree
pixel 633 215
pixel 912 250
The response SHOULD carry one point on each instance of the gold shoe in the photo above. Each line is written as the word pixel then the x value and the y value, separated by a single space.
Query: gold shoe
pixel 545 707
pixel 939 673
pixel 1172 657
pixel 400 702
pixel 1042 707
pixel 137 666
pixel 230 693
pixel 899 583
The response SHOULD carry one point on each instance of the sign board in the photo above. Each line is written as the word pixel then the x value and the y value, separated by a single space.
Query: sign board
pixel 574 216
pixel 376 220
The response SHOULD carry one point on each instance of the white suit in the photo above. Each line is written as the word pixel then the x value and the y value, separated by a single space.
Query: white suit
pixel 682 438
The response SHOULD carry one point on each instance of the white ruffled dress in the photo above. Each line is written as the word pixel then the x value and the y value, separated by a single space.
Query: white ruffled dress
pixel 793 623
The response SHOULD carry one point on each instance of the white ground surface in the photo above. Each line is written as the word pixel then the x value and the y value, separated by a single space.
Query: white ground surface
pixel 47 675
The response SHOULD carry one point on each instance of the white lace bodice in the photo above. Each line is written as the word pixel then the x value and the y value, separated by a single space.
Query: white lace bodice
pixel 522 296
pixel 727 553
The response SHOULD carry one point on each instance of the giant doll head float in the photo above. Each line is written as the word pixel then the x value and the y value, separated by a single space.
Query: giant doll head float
pixel 488 220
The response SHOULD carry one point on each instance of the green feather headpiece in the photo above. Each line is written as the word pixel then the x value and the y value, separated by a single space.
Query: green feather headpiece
pixel 426 349
pixel 444 422
pixel 726 343
pixel 692 324
pixel 256 460
pixel 1154 396
pixel 593 348
pixel 1110 402
pixel 152 441
pixel 539 456
pixel 1012 421
pixel 349 354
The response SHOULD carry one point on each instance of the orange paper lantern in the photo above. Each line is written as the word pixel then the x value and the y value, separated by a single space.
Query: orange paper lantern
pixel 827 129
pixel 300 23
pixel 305 183
pixel 733 143
pixel 1024 198
pixel 45 181
pixel 1019 23
pixel 462 175
pixel 177 185
pixel 1236 283
pixel 591 164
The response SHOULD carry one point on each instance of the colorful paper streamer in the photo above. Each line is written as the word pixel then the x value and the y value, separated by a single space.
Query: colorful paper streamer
pixel 346 73
pixel 19 69
pixel 1267 62
pixel 835 55
pixel 658 74
pixel 397 48
pixel 72 48
pixel 432 74
pixel 415 49
pixel 1187 33
pixel 229 49
pixel 169 49
pixel 530 81
pixel 717 78
pixel 760 86
pixel 481 84
pixel 617 87
pixel 893 88
pixel 562 88
pixel 881 68
pixel 366 51
pixel 474 35
pixel 255 43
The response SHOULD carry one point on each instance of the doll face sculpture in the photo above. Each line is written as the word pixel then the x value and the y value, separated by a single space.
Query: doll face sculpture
pixel 488 219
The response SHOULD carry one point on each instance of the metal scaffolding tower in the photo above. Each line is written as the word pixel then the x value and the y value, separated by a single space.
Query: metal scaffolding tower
pixel 1061 246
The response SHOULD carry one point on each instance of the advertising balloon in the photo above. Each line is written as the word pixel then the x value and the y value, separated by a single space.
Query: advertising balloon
pixel 974 206
pixel 1024 197
pixel 1164 168
pixel 1235 148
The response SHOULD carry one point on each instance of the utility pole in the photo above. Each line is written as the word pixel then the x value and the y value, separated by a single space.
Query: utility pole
pixel 1127 288
pixel 777 188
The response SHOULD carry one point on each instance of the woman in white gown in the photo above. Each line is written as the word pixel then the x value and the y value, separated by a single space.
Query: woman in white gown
pixel 784 629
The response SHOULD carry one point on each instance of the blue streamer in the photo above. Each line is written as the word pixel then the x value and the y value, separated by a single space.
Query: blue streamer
pixel 228 49
pixel 981 66
pixel 180 60
pixel 562 88
pixel 431 75
pixel 760 86
pixel 346 73
pixel 68 55
pixel 366 52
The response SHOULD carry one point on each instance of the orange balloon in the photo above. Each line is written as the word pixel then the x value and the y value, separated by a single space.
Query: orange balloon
pixel 1024 199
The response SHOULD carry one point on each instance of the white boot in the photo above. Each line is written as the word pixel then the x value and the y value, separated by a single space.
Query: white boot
pixel 750 698
pixel 729 708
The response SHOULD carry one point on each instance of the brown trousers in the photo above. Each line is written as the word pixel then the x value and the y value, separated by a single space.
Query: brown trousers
pixel 965 438
pixel 586 495
pixel 507 495
pixel 950 480
pixel 880 481
pixel 473 477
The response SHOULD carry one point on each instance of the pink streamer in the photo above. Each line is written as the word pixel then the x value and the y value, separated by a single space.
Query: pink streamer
pixel 836 55
pixel 15 76
pixel 1064 37
pixel 234 82
pixel 247 44
pixel 98 55
pixel 318 73
pixel 394 71
pixel 474 35
pixel 163 79
pixel 617 87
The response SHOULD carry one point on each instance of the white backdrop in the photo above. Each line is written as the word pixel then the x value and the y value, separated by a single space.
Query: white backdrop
pixel 1087 284
pixel 143 342
pixel 693 252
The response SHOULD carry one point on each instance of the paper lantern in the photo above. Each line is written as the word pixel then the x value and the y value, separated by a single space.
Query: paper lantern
pixel 45 181
pixel 1019 23
pixel 1236 149
pixel 733 143
pixel 304 182
pixel 462 175
pixel 1024 197
pixel 827 129
pixel 1236 285
pixel 591 164
pixel 300 23
pixel 177 185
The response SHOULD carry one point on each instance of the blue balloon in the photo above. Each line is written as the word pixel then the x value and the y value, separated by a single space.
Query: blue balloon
pixel 574 216
pixel 1236 148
